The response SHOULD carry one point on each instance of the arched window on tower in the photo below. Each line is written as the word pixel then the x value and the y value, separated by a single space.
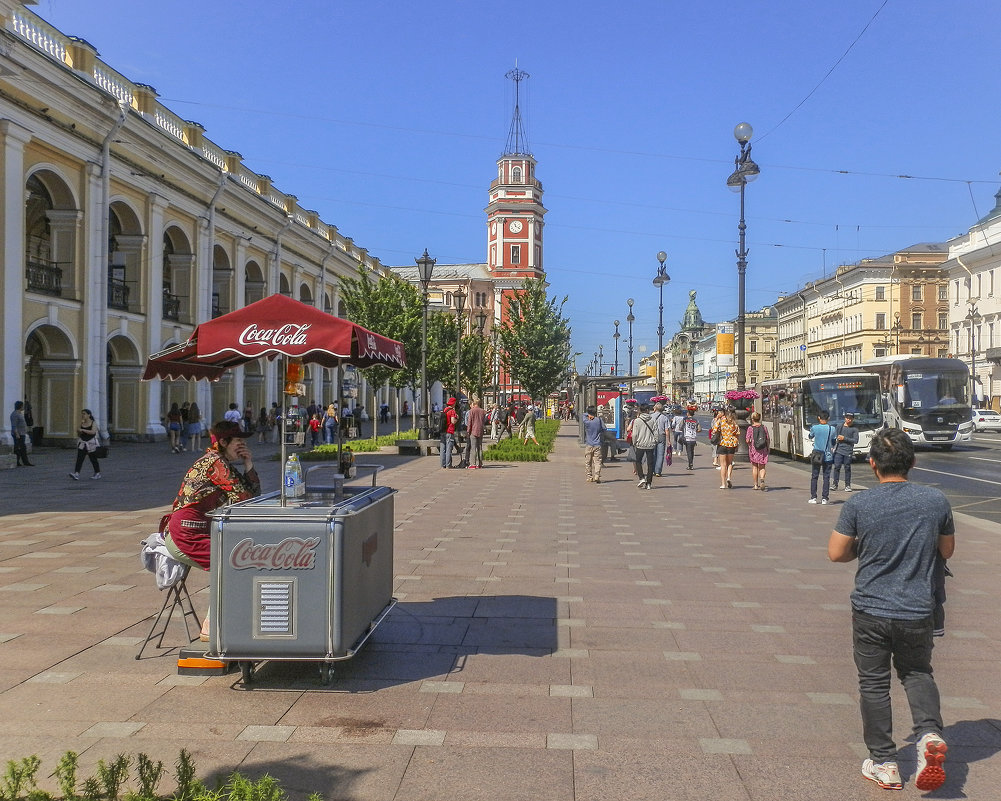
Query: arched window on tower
pixel 516 175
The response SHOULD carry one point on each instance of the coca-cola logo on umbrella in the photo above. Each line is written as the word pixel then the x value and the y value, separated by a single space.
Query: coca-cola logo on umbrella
pixel 292 553
pixel 288 334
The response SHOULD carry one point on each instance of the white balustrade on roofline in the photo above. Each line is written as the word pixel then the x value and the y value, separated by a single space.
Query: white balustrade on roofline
pixel 169 122
pixel 114 83
pixel 214 153
pixel 39 33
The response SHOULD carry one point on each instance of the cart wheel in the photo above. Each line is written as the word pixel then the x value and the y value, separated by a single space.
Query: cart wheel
pixel 326 673
pixel 247 673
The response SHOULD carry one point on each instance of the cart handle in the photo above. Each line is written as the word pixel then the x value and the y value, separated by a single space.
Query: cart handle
pixel 375 468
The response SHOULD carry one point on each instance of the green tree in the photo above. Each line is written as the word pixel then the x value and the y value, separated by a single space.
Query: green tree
pixel 534 339
pixel 391 307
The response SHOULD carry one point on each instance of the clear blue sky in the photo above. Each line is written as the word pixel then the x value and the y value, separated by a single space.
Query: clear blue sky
pixel 387 118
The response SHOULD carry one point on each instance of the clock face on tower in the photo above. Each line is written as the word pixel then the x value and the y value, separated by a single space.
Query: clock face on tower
pixel 515 226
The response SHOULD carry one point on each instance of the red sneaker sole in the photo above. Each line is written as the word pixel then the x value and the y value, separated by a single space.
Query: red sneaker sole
pixel 933 775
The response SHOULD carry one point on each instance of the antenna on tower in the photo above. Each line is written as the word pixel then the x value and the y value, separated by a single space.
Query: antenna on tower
pixel 517 141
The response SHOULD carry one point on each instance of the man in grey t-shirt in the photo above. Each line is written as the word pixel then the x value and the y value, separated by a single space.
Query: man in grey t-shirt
pixel 897 531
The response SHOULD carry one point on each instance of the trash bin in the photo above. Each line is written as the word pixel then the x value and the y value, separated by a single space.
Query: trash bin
pixel 308 581
pixel 37 432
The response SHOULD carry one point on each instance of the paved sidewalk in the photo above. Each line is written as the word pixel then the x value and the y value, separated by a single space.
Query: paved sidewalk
pixel 555 639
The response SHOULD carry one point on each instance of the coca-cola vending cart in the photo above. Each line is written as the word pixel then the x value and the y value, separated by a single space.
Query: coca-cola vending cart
pixel 307 581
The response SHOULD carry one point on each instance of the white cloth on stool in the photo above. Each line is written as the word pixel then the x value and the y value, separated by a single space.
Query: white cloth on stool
pixel 157 560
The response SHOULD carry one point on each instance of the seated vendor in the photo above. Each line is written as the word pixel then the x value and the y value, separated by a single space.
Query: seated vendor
pixel 210 483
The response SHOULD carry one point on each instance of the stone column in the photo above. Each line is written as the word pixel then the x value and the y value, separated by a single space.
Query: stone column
pixel 154 316
pixel 12 141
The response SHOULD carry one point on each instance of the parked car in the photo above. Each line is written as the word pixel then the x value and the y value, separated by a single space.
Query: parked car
pixel 986 420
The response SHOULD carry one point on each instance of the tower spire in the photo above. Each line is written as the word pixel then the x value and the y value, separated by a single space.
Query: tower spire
pixel 517 141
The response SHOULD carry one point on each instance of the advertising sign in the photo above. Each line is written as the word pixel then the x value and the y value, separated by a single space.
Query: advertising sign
pixel 724 344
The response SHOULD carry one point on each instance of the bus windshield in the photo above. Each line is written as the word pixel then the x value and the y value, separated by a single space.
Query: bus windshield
pixel 934 391
pixel 837 396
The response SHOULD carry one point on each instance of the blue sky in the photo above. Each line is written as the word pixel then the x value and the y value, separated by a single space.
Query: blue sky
pixel 387 117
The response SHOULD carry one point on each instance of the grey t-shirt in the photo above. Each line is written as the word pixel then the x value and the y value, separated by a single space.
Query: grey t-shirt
pixel 896 527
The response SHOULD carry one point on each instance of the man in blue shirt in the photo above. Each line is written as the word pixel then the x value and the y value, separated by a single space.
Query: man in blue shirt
pixel 898 531
pixel 594 430
pixel 822 457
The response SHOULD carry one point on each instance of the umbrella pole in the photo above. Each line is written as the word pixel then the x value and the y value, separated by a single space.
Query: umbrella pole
pixel 282 429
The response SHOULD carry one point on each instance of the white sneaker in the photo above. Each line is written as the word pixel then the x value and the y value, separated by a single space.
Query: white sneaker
pixel 96 476
pixel 812 500
pixel 848 488
pixel 885 774
pixel 823 502
pixel 641 485
pixel 75 476
pixel 930 774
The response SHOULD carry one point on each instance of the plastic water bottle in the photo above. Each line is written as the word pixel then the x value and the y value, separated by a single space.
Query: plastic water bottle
pixel 288 477
pixel 299 489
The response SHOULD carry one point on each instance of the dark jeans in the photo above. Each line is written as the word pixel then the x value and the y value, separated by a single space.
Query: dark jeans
pixel 690 451
pixel 83 453
pixel 908 643
pixel 645 455
pixel 21 449
pixel 846 460
pixel 815 474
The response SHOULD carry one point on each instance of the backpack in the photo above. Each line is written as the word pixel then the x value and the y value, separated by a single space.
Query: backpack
pixel 760 438
pixel 437 419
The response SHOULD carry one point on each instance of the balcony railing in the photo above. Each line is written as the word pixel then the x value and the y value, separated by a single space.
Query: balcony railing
pixel 171 306
pixel 45 277
pixel 118 294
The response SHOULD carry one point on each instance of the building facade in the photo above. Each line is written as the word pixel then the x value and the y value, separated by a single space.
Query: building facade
pixel 123 227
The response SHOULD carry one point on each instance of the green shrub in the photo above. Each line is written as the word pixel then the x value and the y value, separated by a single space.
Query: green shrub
pixel 323 453
pixel 514 450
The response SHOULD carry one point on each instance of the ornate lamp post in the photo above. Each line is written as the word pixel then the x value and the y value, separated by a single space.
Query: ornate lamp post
pixel 425 266
pixel 630 319
pixel 481 321
pixel 897 328
pixel 745 171
pixel 974 319
pixel 659 280
pixel 615 336
pixel 460 302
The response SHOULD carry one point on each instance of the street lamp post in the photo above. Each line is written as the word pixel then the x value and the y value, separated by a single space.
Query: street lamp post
pixel 460 302
pixel 425 266
pixel 615 336
pixel 630 319
pixel 897 327
pixel 745 171
pixel 481 321
pixel 659 280
pixel 601 357
pixel 974 319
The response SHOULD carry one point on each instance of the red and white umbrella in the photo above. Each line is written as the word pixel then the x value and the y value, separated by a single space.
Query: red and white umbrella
pixel 274 326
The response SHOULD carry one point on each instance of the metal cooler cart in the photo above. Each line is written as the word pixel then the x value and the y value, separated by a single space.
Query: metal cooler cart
pixel 307 581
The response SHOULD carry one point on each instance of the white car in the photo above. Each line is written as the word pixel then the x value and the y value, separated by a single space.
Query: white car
pixel 986 420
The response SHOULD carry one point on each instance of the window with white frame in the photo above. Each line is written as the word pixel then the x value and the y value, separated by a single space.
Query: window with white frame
pixel 916 292
pixel 916 321
pixel 881 293
pixel 880 321
pixel 943 321
pixel 943 292
pixel 515 254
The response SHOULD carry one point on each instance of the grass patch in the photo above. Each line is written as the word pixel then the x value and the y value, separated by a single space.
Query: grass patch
pixel 513 450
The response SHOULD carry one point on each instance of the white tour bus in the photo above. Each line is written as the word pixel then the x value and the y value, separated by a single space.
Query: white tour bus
pixel 927 398
pixel 789 408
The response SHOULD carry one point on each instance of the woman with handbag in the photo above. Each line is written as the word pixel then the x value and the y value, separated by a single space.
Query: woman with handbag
pixel 729 438
pixel 86 445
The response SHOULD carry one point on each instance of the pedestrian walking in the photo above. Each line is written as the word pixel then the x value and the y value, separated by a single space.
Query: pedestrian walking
pixel 729 438
pixel 475 426
pixel 594 432
pixel 758 446
pixel 195 424
pixel 847 439
pixel 315 429
pixel 263 425
pixel 822 457
pixel 449 424
pixel 174 428
pixel 330 424
pixel 19 433
pixel 690 433
pixel 677 428
pixel 527 430
pixel 183 439
pixel 665 436
pixel 714 446
pixel 86 445
pixel 898 531
pixel 645 445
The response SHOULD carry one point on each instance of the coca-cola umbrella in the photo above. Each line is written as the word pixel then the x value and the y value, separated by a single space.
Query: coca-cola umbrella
pixel 272 327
